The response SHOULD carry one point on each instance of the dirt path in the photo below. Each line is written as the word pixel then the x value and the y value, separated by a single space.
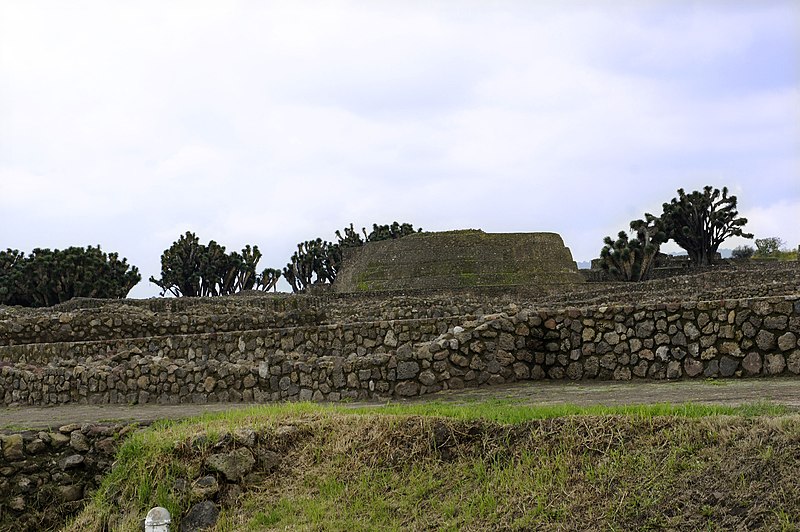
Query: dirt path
pixel 784 391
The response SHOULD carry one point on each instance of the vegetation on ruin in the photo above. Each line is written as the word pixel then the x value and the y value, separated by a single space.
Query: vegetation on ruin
pixel 190 269
pixel 480 466
pixel 773 248
pixel 698 222
pixel 317 262
pixel 47 277
pixel 634 259
pixel 742 252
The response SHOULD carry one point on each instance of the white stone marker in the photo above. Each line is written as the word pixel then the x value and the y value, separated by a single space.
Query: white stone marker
pixel 157 520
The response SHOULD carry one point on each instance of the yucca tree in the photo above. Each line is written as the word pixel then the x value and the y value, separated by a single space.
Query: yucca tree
pixel 181 267
pixel 700 221
pixel 650 234
pixel 387 232
pixel 190 269
pixel 318 261
pixel 268 279
pixel 46 277
pixel 633 259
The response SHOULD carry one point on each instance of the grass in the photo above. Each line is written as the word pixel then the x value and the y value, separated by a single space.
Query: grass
pixel 483 465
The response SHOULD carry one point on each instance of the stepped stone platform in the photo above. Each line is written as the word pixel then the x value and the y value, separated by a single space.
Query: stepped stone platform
pixel 458 259
pixel 732 323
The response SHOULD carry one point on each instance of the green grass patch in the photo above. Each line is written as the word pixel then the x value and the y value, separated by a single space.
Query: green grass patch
pixel 505 411
pixel 475 466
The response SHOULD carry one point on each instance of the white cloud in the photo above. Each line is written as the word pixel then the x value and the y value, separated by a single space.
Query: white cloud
pixel 781 219
pixel 271 123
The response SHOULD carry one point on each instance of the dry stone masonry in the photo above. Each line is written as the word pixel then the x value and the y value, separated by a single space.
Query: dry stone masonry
pixel 732 323
pixel 409 357
pixel 45 475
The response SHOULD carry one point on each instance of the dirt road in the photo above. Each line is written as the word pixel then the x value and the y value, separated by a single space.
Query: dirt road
pixel 783 391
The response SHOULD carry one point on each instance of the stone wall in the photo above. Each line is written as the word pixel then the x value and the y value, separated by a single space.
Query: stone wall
pixel 46 475
pixel 131 319
pixel 322 340
pixel 401 358
pixel 88 319
pixel 724 281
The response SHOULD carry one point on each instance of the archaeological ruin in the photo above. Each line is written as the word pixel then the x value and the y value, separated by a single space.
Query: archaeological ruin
pixel 398 324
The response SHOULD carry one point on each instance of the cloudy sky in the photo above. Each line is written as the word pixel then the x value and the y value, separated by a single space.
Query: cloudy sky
pixel 127 123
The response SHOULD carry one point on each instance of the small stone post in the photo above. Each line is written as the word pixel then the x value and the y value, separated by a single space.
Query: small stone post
pixel 157 520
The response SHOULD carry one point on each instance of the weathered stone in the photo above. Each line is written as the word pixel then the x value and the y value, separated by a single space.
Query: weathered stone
pixel 107 446
pixel 407 389
pixel 674 370
pixel 692 367
pixel 459 360
pixel 17 503
pixel 66 429
pixel 787 341
pixel 204 487
pixel 646 354
pixel 728 366
pixel 709 353
pixel 774 364
pixel 521 371
pixel 79 442
pixel 712 369
pixel 640 370
pixel 793 362
pixel 70 493
pixel 59 440
pixel 390 340
pixel 765 340
pixel 234 465
pixel 407 370
pixel 657 370
pixel 72 461
pixel 608 361
pixel 13 447
pixel 575 371
pixel 455 383
pixel 691 331
pixel 622 373
pixel 679 339
pixel 752 363
pixel 35 446
pixel 776 322
pixel 645 329
pixel 662 339
pixel 591 367
pixel 201 516
pixel 427 378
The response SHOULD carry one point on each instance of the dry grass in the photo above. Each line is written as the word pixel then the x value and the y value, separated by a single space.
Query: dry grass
pixel 410 472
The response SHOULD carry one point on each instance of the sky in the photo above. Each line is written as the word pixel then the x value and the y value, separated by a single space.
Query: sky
pixel 126 124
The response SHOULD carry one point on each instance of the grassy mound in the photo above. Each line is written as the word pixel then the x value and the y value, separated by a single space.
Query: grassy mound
pixel 475 467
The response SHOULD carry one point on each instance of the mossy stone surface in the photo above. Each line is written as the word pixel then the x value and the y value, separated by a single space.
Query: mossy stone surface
pixel 458 259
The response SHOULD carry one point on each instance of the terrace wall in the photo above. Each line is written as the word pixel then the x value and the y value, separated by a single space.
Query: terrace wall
pixel 403 358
